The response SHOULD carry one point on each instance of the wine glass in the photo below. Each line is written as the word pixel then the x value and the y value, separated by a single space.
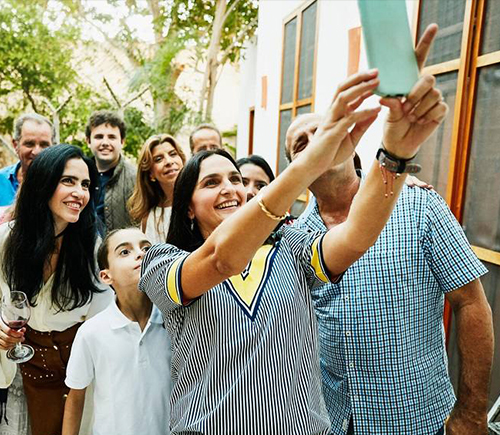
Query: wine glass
pixel 16 312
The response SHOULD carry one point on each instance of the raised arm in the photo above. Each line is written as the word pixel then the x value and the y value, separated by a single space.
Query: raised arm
pixel 372 206
pixel 232 245
pixel 409 123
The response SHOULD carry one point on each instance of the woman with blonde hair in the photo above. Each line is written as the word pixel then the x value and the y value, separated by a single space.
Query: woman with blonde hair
pixel 160 161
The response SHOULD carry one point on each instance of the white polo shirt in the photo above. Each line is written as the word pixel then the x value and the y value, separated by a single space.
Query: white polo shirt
pixel 131 370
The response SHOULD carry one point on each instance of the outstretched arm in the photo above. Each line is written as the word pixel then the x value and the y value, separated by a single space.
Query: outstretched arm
pixel 475 347
pixel 227 251
pixel 409 123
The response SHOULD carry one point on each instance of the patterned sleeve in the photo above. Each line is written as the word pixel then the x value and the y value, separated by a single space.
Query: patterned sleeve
pixel 161 276
pixel 308 250
pixel 447 250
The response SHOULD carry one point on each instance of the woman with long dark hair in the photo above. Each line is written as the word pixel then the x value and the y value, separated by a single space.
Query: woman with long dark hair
pixel 160 160
pixel 239 310
pixel 256 174
pixel 48 252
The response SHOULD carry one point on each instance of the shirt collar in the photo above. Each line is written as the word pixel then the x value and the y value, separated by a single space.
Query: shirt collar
pixel 156 316
pixel 118 320
pixel 312 217
pixel 13 171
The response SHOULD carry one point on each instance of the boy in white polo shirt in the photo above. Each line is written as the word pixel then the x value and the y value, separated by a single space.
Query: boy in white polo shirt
pixel 125 350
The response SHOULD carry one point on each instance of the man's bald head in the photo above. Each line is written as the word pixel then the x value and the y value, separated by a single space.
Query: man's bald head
pixel 300 133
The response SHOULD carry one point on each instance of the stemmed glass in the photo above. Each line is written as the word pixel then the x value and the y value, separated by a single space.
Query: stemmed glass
pixel 16 312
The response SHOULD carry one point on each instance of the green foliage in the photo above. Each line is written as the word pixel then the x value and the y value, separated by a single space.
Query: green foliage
pixel 194 21
pixel 160 75
pixel 35 59
pixel 76 113
pixel 37 63
pixel 138 130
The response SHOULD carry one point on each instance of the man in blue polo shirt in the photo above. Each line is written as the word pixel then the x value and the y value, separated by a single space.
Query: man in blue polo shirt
pixel 32 134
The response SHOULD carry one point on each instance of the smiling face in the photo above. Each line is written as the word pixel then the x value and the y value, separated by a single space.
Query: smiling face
pixel 166 164
pixel 254 179
pixel 71 195
pixel 219 192
pixel 106 144
pixel 35 137
pixel 126 249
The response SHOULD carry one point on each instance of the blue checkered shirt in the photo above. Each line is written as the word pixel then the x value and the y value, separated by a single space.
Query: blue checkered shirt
pixel 382 347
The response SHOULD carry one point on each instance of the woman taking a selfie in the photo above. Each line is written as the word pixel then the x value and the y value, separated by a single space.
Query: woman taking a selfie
pixel 240 314
pixel 160 161
pixel 47 252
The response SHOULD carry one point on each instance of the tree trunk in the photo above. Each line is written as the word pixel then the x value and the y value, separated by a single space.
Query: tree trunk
pixel 210 75
pixel 154 7
pixel 212 81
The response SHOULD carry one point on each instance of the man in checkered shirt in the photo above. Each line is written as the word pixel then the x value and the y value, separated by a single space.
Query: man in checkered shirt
pixel 382 344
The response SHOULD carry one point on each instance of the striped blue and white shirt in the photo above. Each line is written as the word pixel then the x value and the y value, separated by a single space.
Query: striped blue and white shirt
pixel 382 348
pixel 245 354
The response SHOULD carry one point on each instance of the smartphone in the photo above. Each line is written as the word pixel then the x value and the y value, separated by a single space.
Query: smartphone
pixel 389 45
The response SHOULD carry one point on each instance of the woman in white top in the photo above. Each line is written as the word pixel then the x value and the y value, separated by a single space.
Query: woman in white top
pixel 47 252
pixel 150 205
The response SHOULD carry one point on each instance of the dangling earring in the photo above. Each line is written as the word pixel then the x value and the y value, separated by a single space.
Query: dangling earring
pixel 192 224
pixel 153 179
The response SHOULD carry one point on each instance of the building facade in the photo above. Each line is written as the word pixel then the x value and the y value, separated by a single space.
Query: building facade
pixel 306 48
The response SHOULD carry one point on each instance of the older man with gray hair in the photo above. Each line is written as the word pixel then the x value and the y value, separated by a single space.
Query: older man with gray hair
pixel 32 134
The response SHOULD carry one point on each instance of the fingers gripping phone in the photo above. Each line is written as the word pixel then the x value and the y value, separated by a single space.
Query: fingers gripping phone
pixel 389 46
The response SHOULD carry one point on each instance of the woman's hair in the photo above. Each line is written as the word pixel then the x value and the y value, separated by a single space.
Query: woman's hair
pixel 32 241
pixel 180 233
pixel 256 160
pixel 148 194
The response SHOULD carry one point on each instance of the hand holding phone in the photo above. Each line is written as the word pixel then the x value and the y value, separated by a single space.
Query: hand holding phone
pixel 389 45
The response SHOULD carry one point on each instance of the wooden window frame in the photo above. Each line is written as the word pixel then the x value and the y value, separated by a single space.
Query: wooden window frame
pixel 251 125
pixel 295 103
pixel 467 65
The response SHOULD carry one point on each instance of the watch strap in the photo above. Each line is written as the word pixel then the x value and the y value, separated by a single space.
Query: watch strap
pixel 397 165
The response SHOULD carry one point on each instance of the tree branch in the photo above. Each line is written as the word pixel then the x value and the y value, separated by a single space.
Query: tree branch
pixel 138 95
pixel 117 101
pixel 48 103
pixel 63 105
pixel 154 8
pixel 32 101
pixel 230 47
pixel 81 14
pixel 229 10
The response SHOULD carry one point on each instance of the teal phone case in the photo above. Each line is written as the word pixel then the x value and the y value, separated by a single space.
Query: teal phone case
pixel 389 45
